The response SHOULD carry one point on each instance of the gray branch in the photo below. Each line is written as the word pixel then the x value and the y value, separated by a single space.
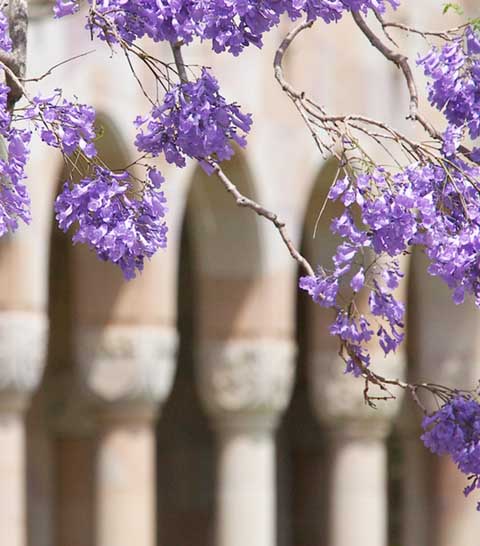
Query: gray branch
pixel 18 27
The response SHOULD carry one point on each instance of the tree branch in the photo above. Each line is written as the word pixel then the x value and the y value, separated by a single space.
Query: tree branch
pixel 179 62
pixel 18 26
pixel 401 61
pixel 272 217
pixel 240 199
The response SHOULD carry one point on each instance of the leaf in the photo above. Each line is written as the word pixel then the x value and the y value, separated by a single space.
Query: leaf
pixel 475 23
pixel 452 6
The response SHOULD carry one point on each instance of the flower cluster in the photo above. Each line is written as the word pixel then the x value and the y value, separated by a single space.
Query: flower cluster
pixel 121 225
pixel 377 226
pixel 14 151
pixel 426 204
pixel 5 41
pixel 193 121
pixel 64 124
pixel 455 430
pixel 229 25
pixel 107 216
pixel 454 71
pixel 65 7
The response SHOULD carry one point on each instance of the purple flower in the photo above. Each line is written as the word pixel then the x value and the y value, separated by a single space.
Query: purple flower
pixel 230 26
pixel 107 216
pixel 454 71
pixel 14 151
pixel 193 121
pixel 454 430
pixel 358 280
pixel 5 41
pixel 64 124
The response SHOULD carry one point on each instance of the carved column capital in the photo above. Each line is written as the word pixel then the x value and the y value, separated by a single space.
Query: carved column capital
pixel 23 341
pixel 338 398
pixel 246 382
pixel 127 368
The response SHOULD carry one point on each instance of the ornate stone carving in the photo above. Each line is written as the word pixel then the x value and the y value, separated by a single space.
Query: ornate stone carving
pixel 339 398
pixel 127 363
pixel 23 341
pixel 246 377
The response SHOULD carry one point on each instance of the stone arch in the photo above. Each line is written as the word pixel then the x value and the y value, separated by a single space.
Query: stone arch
pixel 302 461
pixel 224 297
pixel 185 453
pixel 227 253
pixel 219 247
pixel 345 430
pixel 81 291
pixel 440 514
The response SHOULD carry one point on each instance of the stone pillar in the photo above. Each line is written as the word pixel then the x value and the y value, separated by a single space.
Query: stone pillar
pixel 358 484
pixel 417 513
pixel 245 385
pixel 22 358
pixel 358 504
pixel 73 428
pixel 456 517
pixel 128 371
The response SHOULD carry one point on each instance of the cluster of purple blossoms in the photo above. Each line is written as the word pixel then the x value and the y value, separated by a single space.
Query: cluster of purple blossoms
pixel 229 25
pixel 377 226
pixel 14 151
pixel 434 206
pixel 64 124
pixel 193 121
pixel 454 71
pixel 454 430
pixel 453 243
pixel 121 225
pixel 118 225
pixel 5 41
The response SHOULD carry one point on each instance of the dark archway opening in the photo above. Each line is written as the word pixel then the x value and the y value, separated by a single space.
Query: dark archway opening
pixel 185 449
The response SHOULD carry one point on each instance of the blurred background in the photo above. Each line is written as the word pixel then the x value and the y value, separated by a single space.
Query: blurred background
pixel 203 403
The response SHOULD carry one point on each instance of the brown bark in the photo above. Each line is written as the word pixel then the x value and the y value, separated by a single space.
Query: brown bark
pixel 16 61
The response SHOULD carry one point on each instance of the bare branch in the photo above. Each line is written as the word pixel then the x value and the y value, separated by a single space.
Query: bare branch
pixel 54 67
pixel 400 60
pixel 243 201
pixel 179 62
pixel 280 54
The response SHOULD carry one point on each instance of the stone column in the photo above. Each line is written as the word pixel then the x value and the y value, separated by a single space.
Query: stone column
pixel 418 508
pixel 128 371
pixel 444 349
pixel 22 358
pixel 73 428
pixel 358 504
pixel 245 385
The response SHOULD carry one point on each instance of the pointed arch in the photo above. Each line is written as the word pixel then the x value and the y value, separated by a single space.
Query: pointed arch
pixel 81 289
pixel 228 255
pixel 302 468
pixel 443 348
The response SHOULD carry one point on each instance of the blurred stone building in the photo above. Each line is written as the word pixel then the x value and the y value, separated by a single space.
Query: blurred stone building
pixel 203 403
